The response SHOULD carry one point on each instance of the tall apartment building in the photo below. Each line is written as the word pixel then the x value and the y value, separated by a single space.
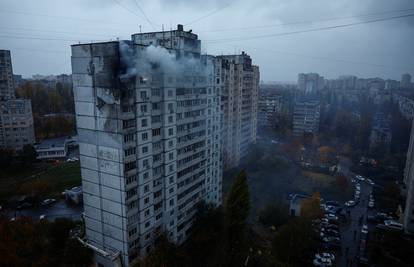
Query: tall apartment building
pixel 409 183
pixel 306 117
pixel 310 83
pixel 239 80
pixel 405 81
pixel 148 120
pixel 6 76
pixel 268 108
pixel 16 119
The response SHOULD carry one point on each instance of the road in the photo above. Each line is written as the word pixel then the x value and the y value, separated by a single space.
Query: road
pixel 60 209
pixel 351 230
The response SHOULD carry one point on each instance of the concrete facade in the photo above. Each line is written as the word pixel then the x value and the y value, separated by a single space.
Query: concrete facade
pixel 409 183
pixel 239 80
pixel 268 108
pixel 148 121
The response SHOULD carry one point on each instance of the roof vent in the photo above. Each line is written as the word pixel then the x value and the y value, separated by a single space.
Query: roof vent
pixel 180 27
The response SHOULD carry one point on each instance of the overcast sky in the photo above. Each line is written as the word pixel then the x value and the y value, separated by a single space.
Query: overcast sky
pixel 39 33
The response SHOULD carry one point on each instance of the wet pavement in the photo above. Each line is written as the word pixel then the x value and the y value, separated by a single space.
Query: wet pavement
pixel 60 209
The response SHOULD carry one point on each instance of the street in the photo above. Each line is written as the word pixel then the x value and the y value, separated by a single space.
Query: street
pixel 351 230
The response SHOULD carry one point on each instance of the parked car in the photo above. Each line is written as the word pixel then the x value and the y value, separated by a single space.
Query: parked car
pixel 325 255
pixel 350 203
pixel 42 217
pixel 48 201
pixel 322 262
pixel 391 224
pixel 328 239
pixel 364 229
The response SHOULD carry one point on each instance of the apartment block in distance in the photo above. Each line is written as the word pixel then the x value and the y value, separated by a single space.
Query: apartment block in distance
pixel 148 121
pixel 306 117
pixel 16 119
pixel 239 81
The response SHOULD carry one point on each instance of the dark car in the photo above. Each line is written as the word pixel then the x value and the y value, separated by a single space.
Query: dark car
pixel 25 205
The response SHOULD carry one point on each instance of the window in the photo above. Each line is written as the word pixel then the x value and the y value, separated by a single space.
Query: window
pixel 144 95
pixel 131 179
pixel 145 163
pixel 170 132
pixel 171 156
pixel 130 151
pixel 147 213
pixel 170 119
pixel 143 108
pixel 129 137
pixel 155 106
pixel 132 231
pixel 130 165
pixel 146 200
pixel 156 132
pixel 170 143
pixel 147 224
pixel 132 192
pixel 171 179
pixel 156 158
pixel 128 123
pixel 144 136
pixel 171 202
pixel 146 188
pixel 145 175
pixel 170 93
pixel 144 149
pixel 171 190
pixel 144 123
pixel 170 107
pixel 171 168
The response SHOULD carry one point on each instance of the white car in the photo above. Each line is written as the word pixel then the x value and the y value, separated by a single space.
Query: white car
pixel 350 203
pixel 364 229
pixel 325 255
pixel 322 262
pixel 331 216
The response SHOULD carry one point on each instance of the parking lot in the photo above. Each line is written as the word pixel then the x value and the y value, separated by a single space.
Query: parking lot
pixel 59 209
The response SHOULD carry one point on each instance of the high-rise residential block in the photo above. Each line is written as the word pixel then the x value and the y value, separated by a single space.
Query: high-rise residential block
pixel 6 76
pixel 16 119
pixel 409 183
pixel 310 83
pixel 239 81
pixel 306 117
pixel 148 121
pixel 405 81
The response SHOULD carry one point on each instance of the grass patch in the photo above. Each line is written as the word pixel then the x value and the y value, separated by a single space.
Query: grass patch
pixel 57 178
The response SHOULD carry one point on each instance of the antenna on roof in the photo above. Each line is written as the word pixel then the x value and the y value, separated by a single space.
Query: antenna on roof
pixel 140 30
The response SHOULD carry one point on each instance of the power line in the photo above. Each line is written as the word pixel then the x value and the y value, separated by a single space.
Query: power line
pixel 51 31
pixel 58 17
pixel 119 3
pixel 47 38
pixel 145 15
pixel 207 15
pixel 308 30
pixel 307 21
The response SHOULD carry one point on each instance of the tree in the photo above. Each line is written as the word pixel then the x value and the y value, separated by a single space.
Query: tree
pixel 294 243
pixel 274 214
pixel 310 207
pixel 28 155
pixel 76 255
pixel 237 211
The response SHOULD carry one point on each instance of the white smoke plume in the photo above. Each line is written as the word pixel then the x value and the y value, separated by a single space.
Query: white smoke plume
pixel 141 63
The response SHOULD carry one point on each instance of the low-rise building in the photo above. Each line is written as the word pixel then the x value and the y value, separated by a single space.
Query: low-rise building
pixel 53 148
